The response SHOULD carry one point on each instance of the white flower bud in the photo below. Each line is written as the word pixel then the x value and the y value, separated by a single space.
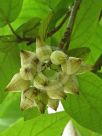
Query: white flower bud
pixel 28 71
pixel 41 100
pixel 55 90
pixel 72 86
pixel 53 103
pixel 62 78
pixel 43 51
pixel 28 57
pixel 58 57
pixel 40 81
pixel 34 98
pixel 27 98
pixel 71 66
pixel 41 107
pixel 17 84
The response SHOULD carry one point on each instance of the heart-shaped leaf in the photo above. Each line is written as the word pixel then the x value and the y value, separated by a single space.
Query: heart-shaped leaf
pixel 86 108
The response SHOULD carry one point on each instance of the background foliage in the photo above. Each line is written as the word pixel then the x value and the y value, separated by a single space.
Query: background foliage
pixel 28 17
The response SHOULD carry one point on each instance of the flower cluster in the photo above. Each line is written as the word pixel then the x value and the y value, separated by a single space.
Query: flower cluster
pixel 37 89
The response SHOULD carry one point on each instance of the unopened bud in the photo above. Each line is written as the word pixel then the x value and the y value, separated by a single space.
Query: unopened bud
pixel 55 90
pixel 72 86
pixel 71 66
pixel 62 78
pixel 27 99
pixel 43 51
pixel 17 84
pixel 58 57
pixel 40 81
pixel 53 103
pixel 28 71
pixel 41 100
pixel 28 57
pixel 41 107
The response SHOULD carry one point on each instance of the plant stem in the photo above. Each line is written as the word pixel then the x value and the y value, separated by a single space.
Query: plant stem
pixel 13 31
pixel 68 32
pixel 53 31
pixel 60 25
pixel 30 40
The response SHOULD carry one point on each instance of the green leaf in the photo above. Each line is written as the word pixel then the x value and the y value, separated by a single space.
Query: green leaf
pixel 95 45
pixel 86 108
pixel 99 74
pixel 44 125
pixel 82 131
pixel 30 28
pixel 82 52
pixel 31 113
pixel 44 26
pixel 9 63
pixel 58 12
pixel 9 10
pixel 50 3
pixel 85 27
pixel 86 23
pixel 9 111
pixel 31 9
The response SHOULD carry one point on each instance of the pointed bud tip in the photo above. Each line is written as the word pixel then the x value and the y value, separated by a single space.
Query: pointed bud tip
pixel 42 111
pixel 22 51
pixel 22 109
pixel 6 89
pixel 55 108
pixel 65 96
pixel 77 93
pixel 80 60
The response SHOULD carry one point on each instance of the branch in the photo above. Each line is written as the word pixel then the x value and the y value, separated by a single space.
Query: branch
pixel 13 31
pixel 60 25
pixel 52 32
pixel 97 65
pixel 9 25
pixel 30 40
pixel 68 32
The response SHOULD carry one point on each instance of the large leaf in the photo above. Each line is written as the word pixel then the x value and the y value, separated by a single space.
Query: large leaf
pixel 9 63
pixel 82 52
pixel 50 3
pixel 10 111
pixel 85 29
pixel 99 74
pixel 82 131
pixel 95 45
pixel 44 125
pixel 30 28
pixel 44 26
pixel 9 10
pixel 58 12
pixel 86 23
pixel 30 9
pixel 86 108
